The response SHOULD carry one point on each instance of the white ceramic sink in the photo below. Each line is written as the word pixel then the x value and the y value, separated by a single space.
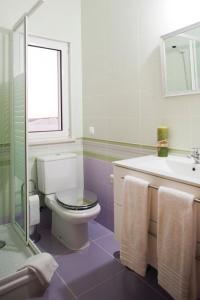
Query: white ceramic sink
pixel 173 167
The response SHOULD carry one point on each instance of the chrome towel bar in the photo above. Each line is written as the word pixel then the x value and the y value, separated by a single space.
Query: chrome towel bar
pixel 156 188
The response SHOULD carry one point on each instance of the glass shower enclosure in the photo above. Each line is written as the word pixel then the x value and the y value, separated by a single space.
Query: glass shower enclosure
pixel 15 245
pixel 19 149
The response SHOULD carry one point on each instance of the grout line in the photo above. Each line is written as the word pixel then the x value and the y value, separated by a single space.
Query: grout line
pixel 149 285
pixel 139 277
pixel 115 275
pixel 142 279
pixel 99 284
pixel 101 247
pixel 105 235
pixel 110 277
pixel 66 285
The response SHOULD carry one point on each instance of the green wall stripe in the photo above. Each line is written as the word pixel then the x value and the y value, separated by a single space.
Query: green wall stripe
pixel 100 156
pixel 119 143
pixel 113 158
pixel 147 147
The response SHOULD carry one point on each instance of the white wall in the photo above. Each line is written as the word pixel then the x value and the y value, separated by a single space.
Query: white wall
pixel 60 20
pixel 122 94
pixel 55 19
pixel 12 10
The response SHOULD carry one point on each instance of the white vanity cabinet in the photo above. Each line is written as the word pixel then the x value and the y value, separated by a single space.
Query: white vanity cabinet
pixel 119 173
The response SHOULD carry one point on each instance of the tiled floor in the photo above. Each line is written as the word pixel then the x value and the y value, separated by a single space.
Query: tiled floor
pixel 94 274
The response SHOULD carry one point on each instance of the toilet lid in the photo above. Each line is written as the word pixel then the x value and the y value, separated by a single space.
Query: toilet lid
pixel 76 199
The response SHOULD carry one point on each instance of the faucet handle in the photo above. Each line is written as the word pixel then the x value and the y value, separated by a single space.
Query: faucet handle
pixel 196 150
pixel 195 154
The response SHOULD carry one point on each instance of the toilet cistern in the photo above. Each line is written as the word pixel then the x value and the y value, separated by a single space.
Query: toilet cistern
pixel 72 206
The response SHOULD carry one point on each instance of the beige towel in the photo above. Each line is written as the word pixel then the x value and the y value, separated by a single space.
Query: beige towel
pixel 43 265
pixel 176 243
pixel 135 223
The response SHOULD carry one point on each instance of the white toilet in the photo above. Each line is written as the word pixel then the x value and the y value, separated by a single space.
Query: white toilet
pixel 72 207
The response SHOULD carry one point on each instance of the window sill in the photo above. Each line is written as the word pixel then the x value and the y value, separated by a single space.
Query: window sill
pixel 38 142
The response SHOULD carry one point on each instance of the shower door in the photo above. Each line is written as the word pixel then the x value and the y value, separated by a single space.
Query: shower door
pixel 19 186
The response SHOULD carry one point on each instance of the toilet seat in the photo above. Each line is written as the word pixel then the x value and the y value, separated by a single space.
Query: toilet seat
pixel 71 216
pixel 76 199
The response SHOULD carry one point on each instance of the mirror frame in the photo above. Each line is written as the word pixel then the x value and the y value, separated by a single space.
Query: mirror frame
pixel 166 93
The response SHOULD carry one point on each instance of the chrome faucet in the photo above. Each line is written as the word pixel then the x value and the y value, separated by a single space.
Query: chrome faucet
pixel 195 155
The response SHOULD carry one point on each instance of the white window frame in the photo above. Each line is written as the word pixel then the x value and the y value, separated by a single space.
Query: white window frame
pixel 63 135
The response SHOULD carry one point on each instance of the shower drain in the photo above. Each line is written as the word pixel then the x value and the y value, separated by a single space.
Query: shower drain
pixel 2 244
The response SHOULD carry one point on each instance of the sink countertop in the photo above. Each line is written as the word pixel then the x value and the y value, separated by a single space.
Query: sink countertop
pixel 176 168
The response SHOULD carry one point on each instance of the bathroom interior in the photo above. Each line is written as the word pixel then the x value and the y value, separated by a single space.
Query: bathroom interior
pixel 99 149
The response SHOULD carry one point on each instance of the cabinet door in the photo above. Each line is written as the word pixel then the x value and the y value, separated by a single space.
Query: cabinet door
pixel 117 220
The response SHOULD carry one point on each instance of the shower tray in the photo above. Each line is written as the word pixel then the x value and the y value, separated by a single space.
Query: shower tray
pixel 15 284
pixel 14 253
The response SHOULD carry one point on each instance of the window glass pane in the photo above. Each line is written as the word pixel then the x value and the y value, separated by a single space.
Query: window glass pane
pixel 44 101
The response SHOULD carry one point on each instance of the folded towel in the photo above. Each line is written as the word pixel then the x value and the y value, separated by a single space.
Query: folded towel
pixel 176 243
pixel 43 265
pixel 135 223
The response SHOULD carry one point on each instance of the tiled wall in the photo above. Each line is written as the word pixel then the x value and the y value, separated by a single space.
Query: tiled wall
pixel 122 84
pixel 98 158
pixel 122 79
pixel 97 179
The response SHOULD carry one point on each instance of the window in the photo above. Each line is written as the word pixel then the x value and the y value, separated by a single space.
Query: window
pixel 44 89
pixel 48 89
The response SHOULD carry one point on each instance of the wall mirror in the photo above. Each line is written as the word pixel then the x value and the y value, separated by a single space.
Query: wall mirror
pixel 180 53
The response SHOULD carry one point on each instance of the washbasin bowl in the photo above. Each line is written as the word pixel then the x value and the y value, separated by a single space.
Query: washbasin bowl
pixel 178 168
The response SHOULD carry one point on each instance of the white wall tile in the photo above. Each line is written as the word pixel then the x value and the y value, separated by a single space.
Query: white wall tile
pixel 121 61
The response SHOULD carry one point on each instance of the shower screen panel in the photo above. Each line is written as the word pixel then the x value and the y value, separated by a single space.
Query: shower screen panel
pixel 4 128
pixel 19 126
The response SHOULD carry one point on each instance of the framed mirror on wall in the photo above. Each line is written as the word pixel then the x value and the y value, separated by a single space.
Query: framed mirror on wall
pixel 180 56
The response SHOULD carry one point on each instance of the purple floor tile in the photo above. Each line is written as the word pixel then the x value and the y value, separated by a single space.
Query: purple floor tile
pixel 49 243
pixel 96 230
pixel 109 243
pixel 56 291
pixel 92 273
pixel 151 279
pixel 123 286
pixel 87 268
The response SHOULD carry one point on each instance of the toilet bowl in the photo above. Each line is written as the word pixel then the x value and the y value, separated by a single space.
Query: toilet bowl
pixel 72 207
pixel 70 227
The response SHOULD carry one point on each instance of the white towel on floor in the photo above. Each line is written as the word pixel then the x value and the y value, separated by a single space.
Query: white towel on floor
pixel 43 265
pixel 176 243
pixel 135 224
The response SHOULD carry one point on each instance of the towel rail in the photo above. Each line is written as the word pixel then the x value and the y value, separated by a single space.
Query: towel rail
pixel 153 234
pixel 156 188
